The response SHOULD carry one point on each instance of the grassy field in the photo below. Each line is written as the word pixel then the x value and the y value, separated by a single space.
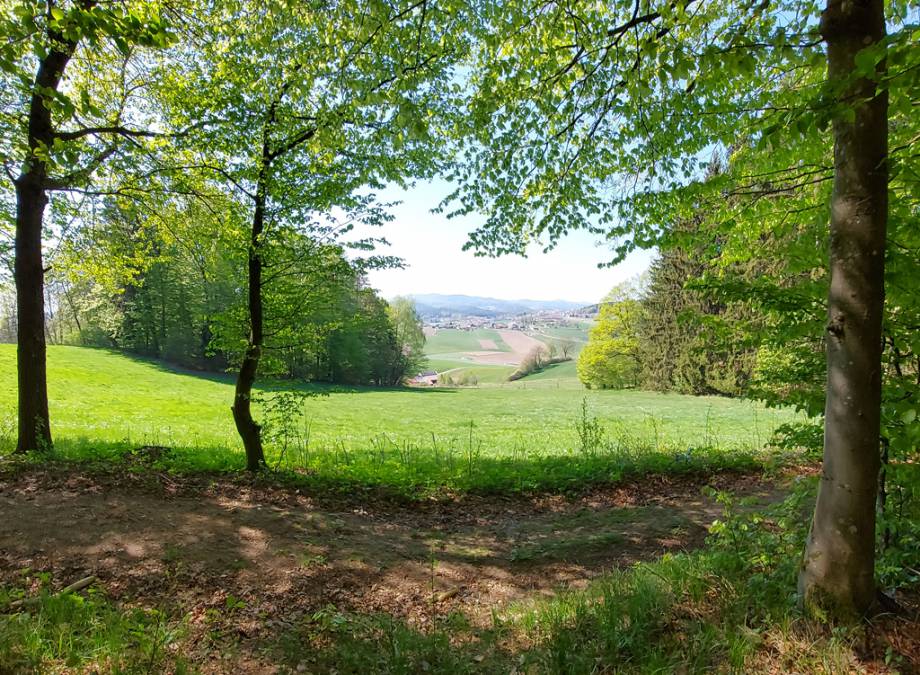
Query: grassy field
pixel 577 333
pixel 726 607
pixel 458 368
pixel 555 372
pixel 522 433
pixel 479 375
pixel 447 351
pixel 452 340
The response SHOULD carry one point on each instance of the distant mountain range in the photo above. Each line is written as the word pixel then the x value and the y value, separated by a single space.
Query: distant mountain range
pixel 433 305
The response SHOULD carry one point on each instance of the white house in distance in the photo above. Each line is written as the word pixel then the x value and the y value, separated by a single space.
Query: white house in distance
pixel 429 378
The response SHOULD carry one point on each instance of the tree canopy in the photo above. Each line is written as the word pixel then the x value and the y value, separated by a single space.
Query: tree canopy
pixel 605 118
pixel 186 182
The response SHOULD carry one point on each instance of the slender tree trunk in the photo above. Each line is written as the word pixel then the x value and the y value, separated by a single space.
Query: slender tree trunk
pixel 205 334
pixel 164 338
pixel 837 571
pixel 74 312
pixel 250 432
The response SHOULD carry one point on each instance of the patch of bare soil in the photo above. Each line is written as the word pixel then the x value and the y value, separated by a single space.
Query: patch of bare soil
pixel 278 553
pixel 521 343
pixel 484 358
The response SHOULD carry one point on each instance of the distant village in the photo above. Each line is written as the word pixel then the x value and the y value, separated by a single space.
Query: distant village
pixel 516 322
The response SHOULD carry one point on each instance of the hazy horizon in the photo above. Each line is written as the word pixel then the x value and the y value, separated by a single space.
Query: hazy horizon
pixel 581 301
pixel 432 247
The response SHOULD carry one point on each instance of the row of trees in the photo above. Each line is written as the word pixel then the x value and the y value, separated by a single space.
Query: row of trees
pixel 539 358
pixel 165 279
pixel 676 328
pixel 336 329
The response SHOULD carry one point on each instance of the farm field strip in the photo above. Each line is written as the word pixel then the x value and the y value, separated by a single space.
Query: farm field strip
pixel 484 347
pixel 521 343
pixel 442 341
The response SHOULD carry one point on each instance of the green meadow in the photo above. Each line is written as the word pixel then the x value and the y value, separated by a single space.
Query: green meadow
pixel 448 349
pixel 504 436
pixel 554 372
pixel 577 333
pixel 454 340
pixel 472 374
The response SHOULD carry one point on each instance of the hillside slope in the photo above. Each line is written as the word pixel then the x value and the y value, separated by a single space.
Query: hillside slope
pixel 102 396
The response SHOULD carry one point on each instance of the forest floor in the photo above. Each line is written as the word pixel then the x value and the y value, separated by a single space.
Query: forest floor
pixel 243 559
pixel 234 574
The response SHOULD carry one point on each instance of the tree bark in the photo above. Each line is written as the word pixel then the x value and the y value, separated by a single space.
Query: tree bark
pixel 34 421
pixel 28 267
pixel 250 431
pixel 837 572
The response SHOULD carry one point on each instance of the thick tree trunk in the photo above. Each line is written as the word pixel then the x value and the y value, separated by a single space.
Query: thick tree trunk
pixel 34 422
pixel 837 571
pixel 31 199
pixel 250 432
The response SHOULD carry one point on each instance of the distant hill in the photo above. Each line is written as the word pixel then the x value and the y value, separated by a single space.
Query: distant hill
pixel 433 305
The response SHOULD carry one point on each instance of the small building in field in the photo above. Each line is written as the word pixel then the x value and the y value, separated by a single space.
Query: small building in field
pixel 428 378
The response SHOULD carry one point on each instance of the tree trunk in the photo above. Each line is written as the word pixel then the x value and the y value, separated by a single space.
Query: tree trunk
pixel 34 422
pixel 250 432
pixel 76 314
pixel 28 267
pixel 837 571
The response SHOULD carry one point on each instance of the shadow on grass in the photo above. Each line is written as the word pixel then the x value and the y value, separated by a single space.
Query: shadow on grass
pixel 318 570
pixel 410 471
pixel 729 607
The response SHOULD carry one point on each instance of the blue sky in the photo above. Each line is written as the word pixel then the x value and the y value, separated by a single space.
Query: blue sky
pixel 431 245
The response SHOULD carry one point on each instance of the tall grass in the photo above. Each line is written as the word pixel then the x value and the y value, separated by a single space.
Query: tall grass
pixel 109 397
pixel 105 405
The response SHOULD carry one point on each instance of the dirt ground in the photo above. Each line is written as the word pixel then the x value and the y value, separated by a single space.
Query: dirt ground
pixel 276 554
pixel 520 343
pixel 204 541
pixel 195 546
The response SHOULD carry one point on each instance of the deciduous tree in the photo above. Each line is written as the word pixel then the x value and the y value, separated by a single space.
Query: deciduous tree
pixel 59 131
pixel 314 105
pixel 410 339
pixel 610 360
pixel 603 117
